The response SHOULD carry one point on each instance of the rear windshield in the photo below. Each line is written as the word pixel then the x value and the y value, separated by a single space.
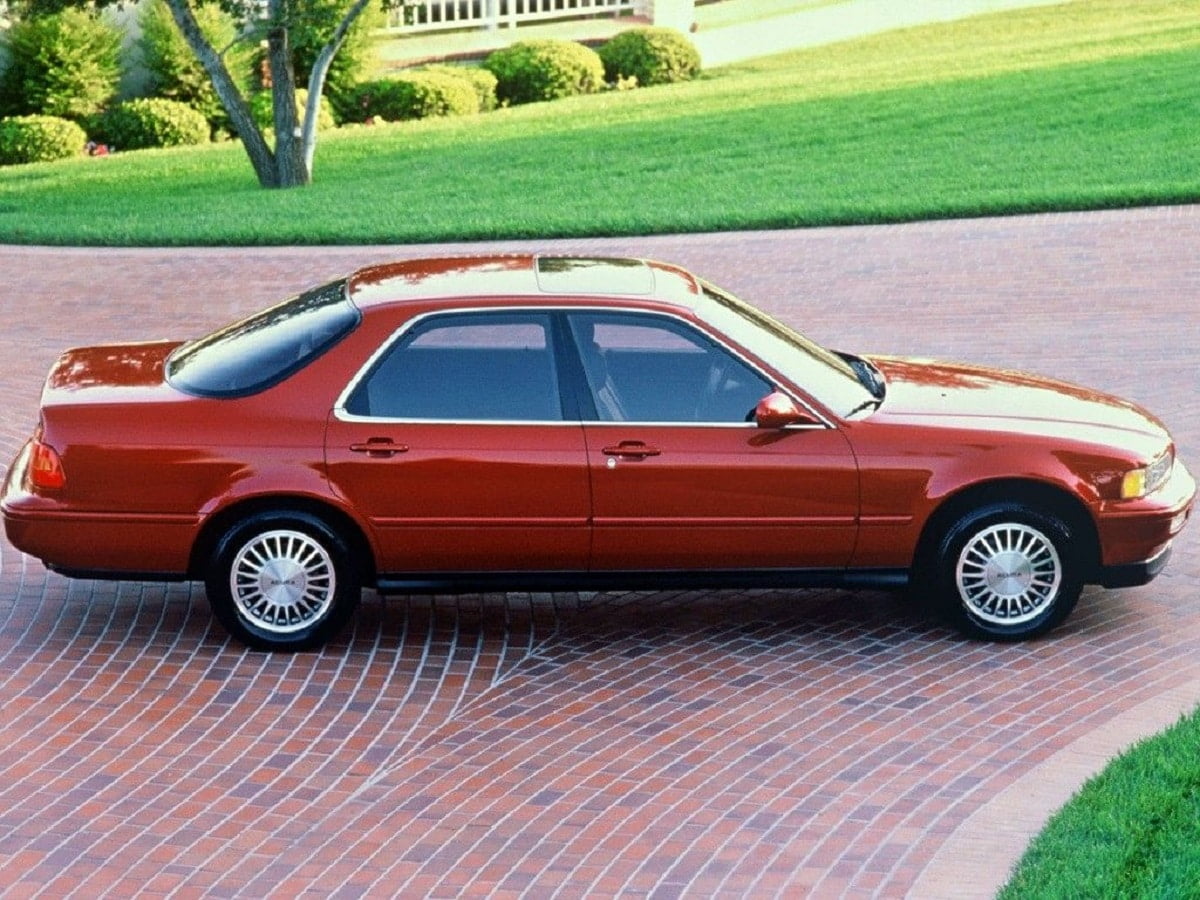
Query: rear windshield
pixel 262 350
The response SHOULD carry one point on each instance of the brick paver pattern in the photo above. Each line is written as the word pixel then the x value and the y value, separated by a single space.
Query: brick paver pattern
pixel 785 743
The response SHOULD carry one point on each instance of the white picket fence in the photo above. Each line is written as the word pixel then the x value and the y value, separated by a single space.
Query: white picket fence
pixel 447 15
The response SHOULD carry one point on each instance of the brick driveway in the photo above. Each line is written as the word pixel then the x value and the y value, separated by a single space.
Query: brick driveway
pixel 743 744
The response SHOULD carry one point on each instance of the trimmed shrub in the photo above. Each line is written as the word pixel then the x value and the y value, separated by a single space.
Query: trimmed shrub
pixel 175 72
pixel 262 107
pixel 151 122
pixel 530 71
pixel 481 80
pixel 65 65
pixel 27 139
pixel 651 55
pixel 415 95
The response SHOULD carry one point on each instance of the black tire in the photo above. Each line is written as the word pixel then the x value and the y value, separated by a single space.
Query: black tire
pixel 1006 572
pixel 283 581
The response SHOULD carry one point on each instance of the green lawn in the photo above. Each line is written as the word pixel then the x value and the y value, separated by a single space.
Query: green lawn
pixel 1133 831
pixel 1093 104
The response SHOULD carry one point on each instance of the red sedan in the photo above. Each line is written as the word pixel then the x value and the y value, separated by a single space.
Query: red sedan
pixel 543 422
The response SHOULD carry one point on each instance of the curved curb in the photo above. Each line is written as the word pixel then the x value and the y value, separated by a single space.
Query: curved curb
pixel 977 860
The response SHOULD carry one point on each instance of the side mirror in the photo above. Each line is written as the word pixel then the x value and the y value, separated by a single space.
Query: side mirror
pixel 777 410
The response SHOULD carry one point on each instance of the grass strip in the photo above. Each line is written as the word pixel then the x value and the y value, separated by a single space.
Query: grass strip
pixel 1087 105
pixel 1132 831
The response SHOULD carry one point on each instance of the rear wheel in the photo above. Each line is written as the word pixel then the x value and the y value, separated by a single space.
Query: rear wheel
pixel 282 581
pixel 1007 572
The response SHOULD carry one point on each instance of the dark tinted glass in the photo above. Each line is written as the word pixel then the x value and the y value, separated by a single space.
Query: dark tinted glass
pixel 262 350
pixel 650 369
pixel 465 367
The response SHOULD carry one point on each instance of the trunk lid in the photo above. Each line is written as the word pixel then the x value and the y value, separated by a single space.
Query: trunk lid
pixel 114 373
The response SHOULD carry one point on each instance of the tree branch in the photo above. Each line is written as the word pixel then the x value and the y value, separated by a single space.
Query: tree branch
pixel 316 79
pixel 261 157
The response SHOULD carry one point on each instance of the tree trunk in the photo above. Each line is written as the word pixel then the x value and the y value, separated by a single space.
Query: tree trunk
pixel 261 157
pixel 290 167
pixel 290 164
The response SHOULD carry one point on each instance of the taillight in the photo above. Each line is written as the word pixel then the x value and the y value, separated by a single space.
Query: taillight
pixel 45 467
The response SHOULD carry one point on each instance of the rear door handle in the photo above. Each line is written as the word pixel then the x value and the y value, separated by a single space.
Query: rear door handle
pixel 632 450
pixel 380 448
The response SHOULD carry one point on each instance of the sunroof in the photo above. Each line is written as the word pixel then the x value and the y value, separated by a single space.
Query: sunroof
pixel 593 275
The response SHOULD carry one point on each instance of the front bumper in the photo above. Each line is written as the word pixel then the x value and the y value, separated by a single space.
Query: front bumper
pixel 1136 536
pixel 1133 574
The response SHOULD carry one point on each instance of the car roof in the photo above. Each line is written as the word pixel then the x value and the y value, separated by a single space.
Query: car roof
pixel 524 275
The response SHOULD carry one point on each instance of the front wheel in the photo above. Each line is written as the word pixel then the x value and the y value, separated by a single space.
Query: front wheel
pixel 282 581
pixel 1007 572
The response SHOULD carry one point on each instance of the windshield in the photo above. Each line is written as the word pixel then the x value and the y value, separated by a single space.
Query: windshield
pixel 825 375
pixel 265 348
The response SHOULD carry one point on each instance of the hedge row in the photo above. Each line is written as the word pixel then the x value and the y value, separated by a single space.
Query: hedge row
pixel 26 139
pixel 150 122
pixel 527 72
pixel 415 95
pixel 651 55
pixel 134 125
pixel 531 71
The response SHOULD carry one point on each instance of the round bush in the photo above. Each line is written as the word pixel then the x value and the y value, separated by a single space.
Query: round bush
pixel 481 80
pixel 152 122
pixel 530 71
pixel 415 95
pixel 65 65
pixel 27 139
pixel 651 55
pixel 262 107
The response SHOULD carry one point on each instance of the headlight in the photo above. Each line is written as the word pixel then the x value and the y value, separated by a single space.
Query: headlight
pixel 1140 482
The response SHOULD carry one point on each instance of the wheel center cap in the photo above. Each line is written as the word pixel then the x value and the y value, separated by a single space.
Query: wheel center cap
pixel 282 582
pixel 1009 574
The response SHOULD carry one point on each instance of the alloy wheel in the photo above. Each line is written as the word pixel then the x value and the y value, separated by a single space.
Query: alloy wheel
pixel 1008 574
pixel 283 581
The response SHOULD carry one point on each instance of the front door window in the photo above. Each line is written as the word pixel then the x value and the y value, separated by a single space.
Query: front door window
pixel 643 368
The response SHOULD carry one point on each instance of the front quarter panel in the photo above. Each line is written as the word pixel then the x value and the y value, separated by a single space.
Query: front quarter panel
pixel 910 469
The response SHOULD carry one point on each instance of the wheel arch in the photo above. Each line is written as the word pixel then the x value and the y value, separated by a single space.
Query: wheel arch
pixel 341 522
pixel 1038 494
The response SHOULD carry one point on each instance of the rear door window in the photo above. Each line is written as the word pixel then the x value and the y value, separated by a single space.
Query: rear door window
pixel 479 367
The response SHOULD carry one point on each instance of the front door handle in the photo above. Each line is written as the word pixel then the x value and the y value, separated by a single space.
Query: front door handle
pixel 380 448
pixel 631 450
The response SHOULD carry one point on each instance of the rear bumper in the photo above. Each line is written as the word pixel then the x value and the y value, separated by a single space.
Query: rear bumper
pixel 99 544
pixel 106 544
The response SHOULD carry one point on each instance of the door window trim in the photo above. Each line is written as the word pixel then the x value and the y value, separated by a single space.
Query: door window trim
pixel 570 374
pixel 568 404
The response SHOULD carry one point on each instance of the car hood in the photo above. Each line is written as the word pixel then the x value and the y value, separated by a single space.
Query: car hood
pixel 109 373
pixel 969 394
